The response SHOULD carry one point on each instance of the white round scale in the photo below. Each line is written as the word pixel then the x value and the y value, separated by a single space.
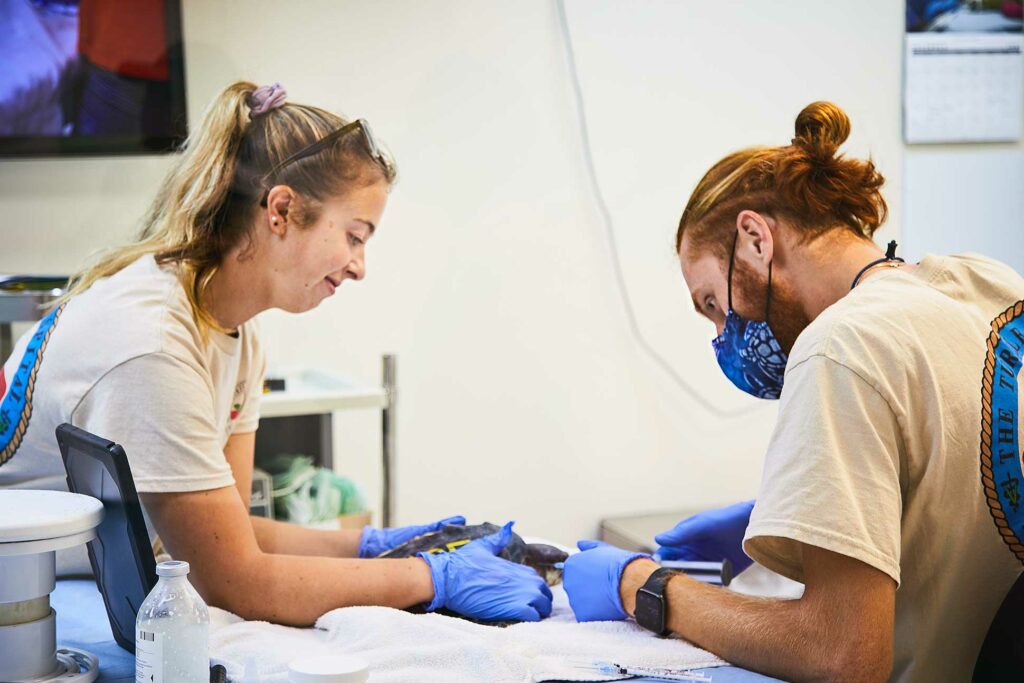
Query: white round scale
pixel 33 526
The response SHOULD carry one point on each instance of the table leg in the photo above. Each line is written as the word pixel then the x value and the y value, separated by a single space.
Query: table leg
pixel 6 342
pixel 388 381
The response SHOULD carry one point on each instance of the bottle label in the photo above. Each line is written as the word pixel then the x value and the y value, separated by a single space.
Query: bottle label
pixel 149 657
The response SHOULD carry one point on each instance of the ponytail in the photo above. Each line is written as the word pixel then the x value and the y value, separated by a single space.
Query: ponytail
pixel 187 222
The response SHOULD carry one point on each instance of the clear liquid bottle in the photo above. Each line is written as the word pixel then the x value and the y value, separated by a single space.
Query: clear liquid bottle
pixel 172 630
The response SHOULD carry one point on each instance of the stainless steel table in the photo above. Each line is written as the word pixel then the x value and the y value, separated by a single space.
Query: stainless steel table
pixel 637 532
pixel 21 306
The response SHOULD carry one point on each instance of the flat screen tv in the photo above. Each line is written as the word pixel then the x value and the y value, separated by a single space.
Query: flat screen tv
pixel 91 77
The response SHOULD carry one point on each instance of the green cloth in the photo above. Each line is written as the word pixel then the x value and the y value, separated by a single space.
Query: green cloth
pixel 306 494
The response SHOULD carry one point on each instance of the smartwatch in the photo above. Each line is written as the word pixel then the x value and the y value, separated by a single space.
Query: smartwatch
pixel 650 602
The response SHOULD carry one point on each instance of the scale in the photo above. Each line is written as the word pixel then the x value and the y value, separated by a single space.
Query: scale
pixel 33 526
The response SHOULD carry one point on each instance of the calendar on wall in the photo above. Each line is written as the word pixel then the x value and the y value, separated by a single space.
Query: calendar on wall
pixel 963 87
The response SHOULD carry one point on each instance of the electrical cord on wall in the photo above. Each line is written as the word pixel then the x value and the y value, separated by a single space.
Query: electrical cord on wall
pixel 588 162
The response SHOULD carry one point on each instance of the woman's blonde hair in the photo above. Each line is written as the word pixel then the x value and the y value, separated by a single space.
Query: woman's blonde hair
pixel 206 204
pixel 806 182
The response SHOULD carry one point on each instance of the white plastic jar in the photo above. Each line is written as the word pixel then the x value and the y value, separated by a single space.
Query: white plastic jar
pixel 329 669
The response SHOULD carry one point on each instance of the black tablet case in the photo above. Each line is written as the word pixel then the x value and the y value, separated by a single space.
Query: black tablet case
pixel 121 555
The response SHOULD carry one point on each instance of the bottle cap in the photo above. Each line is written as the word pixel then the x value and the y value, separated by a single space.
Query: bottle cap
pixel 172 568
pixel 330 669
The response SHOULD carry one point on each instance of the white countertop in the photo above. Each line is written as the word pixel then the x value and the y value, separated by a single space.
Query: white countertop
pixel 312 392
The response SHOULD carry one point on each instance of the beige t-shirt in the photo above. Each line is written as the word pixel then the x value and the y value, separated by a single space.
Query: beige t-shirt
pixel 125 360
pixel 878 452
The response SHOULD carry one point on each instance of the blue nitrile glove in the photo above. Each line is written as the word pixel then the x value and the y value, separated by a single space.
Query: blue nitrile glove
pixel 710 536
pixel 591 579
pixel 475 583
pixel 375 541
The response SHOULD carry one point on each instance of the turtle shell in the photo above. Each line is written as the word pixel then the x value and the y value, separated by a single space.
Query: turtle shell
pixel 538 556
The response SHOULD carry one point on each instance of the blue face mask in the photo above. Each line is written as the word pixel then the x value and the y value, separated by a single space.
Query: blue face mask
pixel 747 351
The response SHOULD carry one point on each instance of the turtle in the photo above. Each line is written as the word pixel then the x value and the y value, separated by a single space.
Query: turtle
pixel 542 558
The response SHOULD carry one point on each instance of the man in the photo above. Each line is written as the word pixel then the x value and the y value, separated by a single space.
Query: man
pixel 898 387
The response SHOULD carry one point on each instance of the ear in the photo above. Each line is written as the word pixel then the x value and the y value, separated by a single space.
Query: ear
pixel 755 241
pixel 279 203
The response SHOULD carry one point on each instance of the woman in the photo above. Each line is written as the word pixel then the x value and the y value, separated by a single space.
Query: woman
pixel 270 205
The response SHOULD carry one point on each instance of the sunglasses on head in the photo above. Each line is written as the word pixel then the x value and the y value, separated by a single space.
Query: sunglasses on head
pixel 323 143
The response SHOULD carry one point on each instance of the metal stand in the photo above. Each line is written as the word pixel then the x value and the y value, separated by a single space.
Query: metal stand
pixel 298 420
pixel 6 341
pixel 21 306
pixel 389 381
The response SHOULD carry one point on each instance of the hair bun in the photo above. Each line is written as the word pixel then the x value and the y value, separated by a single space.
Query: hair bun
pixel 820 128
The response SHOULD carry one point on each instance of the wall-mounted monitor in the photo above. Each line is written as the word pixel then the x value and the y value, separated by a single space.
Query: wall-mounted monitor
pixel 91 77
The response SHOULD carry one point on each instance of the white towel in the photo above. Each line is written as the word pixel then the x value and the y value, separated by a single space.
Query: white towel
pixel 427 648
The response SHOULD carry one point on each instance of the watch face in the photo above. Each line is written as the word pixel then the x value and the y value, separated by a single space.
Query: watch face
pixel 650 611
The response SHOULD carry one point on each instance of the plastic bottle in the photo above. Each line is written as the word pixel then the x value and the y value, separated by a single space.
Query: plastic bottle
pixel 172 631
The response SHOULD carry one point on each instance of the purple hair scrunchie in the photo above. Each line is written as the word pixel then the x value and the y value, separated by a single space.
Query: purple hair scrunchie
pixel 265 98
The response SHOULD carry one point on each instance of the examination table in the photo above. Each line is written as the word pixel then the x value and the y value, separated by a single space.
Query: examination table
pixel 82 623
pixel 100 468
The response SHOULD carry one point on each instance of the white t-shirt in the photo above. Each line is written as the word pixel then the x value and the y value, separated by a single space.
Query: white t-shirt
pixel 893 397
pixel 125 360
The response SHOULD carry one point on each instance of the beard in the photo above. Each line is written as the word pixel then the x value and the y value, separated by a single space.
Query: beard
pixel 786 317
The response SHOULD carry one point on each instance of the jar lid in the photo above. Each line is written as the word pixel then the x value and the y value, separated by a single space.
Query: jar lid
pixel 329 669
pixel 172 568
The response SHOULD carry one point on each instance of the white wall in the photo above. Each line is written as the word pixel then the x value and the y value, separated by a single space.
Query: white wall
pixel 523 394
pixel 965 198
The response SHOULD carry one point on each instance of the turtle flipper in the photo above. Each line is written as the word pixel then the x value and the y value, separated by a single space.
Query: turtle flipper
pixel 542 558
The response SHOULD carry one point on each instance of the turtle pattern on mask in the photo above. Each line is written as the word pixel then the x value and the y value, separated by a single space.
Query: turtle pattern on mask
pixel 750 356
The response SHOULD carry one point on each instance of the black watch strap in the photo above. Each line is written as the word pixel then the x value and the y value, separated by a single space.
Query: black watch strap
pixel 650 601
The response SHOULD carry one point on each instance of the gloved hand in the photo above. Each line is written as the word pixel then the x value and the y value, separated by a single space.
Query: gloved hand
pixel 375 541
pixel 591 579
pixel 710 536
pixel 475 583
